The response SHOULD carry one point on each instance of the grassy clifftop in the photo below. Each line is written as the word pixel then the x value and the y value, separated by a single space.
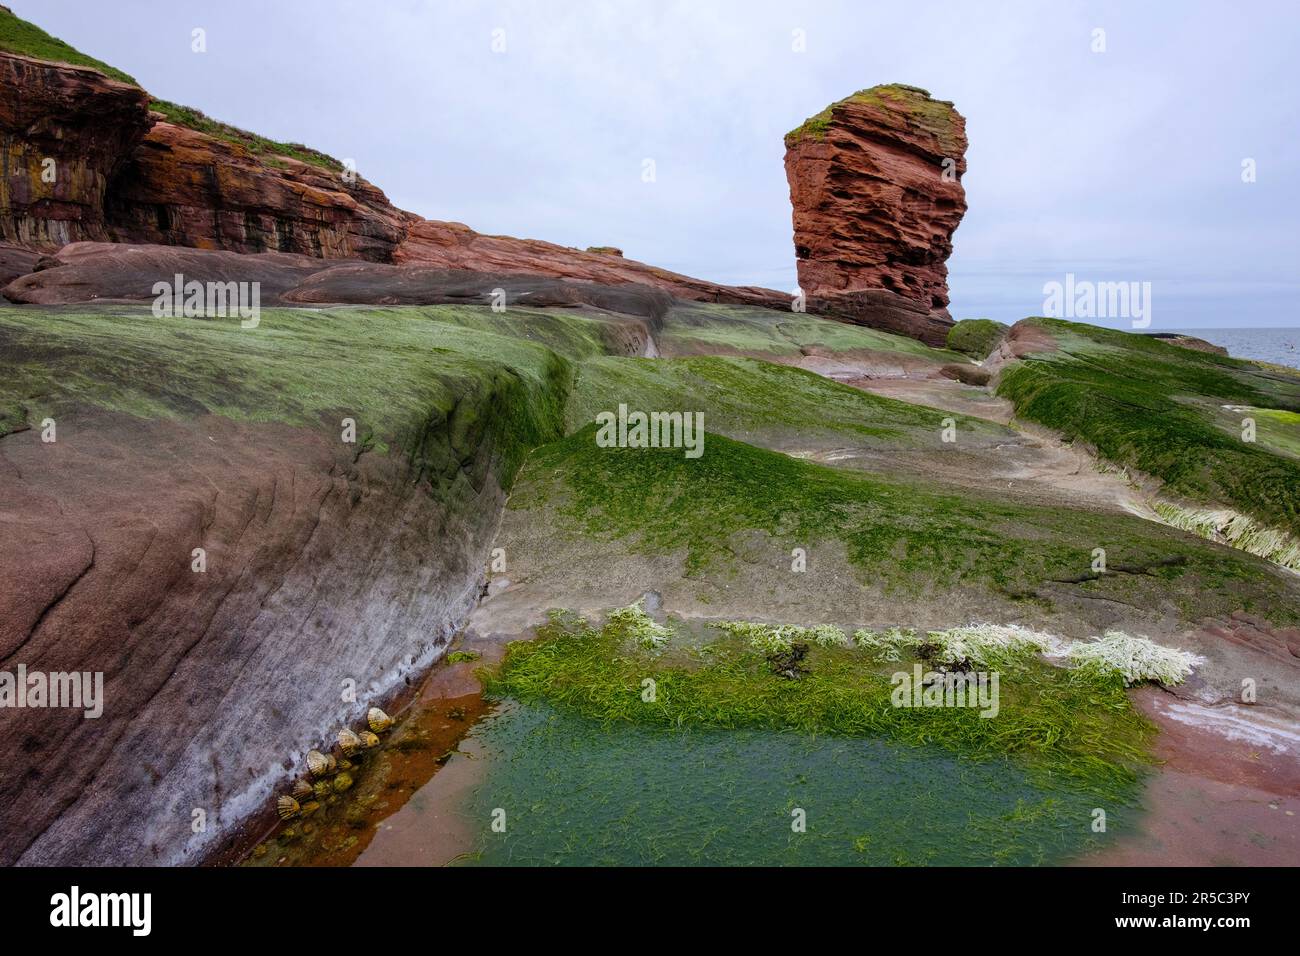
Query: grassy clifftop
pixel 190 118
pixel 26 39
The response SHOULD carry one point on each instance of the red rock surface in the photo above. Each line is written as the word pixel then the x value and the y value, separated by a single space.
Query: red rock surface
pixel 131 177
pixel 1220 796
pixel 453 245
pixel 872 216
pixel 109 271
pixel 83 121
pixel 319 567
pixel 872 207
pixel 119 272
pixel 16 261
pixel 887 311
pixel 873 219
pixel 124 174
pixel 186 188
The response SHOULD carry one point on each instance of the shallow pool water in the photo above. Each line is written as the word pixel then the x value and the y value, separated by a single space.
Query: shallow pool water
pixel 578 792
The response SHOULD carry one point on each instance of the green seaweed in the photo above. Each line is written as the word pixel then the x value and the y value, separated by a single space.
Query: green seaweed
pixel 1075 724
pixel 584 792
pixel 1153 406
pixel 744 398
pixel 909 537
pixel 976 337
pixel 709 328
pixel 433 390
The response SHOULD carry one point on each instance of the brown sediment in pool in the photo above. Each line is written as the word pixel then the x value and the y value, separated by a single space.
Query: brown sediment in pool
pixel 429 727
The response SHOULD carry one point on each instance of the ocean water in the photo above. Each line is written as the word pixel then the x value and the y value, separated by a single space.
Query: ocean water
pixel 1279 346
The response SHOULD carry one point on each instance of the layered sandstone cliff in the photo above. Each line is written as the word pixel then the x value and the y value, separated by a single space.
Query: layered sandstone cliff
pixel 230 564
pixel 875 186
pixel 125 173
pixel 88 156
pixel 184 187
pixel 65 131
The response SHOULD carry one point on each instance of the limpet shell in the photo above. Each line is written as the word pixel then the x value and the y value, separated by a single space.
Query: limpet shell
pixel 378 720
pixel 319 764
pixel 349 742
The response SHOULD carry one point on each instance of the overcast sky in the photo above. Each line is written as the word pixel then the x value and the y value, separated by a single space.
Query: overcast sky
pixel 1124 165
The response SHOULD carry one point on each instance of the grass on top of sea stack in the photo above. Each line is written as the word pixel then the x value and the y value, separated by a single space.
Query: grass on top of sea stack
pixel 935 115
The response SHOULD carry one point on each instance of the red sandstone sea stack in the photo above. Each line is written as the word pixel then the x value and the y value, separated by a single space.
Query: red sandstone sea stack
pixel 875 185
pixel 874 178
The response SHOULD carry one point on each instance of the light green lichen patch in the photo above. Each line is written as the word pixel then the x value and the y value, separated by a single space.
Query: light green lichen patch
pixel 430 390
pixel 752 400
